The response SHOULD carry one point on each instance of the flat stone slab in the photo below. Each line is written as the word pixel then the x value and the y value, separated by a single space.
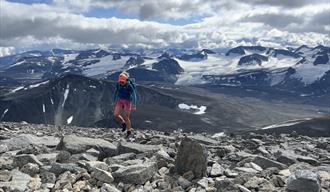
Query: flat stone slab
pixel 75 144
pixel 24 140
pixel 138 174
pixel 128 147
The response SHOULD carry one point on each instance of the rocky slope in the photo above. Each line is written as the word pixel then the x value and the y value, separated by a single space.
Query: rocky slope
pixel 48 158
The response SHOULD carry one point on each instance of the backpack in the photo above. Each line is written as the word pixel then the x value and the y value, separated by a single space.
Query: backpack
pixel 130 80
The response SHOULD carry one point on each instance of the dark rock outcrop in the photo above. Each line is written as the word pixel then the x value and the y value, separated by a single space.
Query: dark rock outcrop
pixel 191 156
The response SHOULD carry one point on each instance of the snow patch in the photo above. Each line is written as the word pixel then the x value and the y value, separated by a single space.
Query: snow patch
pixel 308 73
pixel 104 65
pixel 198 110
pixel 17 89
pixel 18 63
pixel 69 57
pixel 37 85
pixel 69 120
pixel 43 108
pixel 286 124
pixel 66 93
pixel 4 113
pixel 216 135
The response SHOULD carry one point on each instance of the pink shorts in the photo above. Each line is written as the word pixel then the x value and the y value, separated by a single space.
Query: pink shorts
pixel 124 104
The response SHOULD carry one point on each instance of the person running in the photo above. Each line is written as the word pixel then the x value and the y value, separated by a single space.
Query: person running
pixel 124 100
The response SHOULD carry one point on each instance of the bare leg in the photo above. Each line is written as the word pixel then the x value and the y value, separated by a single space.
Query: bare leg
pixel 128 121
pixel 117 115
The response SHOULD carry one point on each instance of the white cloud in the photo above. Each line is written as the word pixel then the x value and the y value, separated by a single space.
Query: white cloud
pixel 4 51
pixel 226 24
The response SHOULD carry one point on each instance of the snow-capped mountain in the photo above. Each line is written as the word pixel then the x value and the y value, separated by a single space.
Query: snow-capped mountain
pixel 304 70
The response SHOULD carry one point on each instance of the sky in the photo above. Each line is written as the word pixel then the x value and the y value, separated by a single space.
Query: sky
pixel 192 24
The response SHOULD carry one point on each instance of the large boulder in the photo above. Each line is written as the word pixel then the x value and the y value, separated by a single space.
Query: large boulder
pixel 304 181
pixel 192 156
pixel 137 174
pixel 128 147
pixel 75 144
pixel 25 140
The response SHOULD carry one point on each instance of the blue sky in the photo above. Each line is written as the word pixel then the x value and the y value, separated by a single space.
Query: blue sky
pixel 80 24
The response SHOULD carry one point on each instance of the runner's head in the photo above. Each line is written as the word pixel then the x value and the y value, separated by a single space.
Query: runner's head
pixel 122 79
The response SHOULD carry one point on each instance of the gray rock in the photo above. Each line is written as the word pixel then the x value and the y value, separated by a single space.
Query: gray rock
pixel 21 160
pixel 163 171
pixel 191 156
pixel 5 175
pixel 93 152
pixel 286 159
pixel 65 181
pixel 3 148
pixel 31 169
pixel 265 163
pixel 253 166
pixel 128 147
pixel 308 160
pixel 101 175
pixel 75 144
pixel 48 177
pixel 243 189
pixel 204 183
pixel 82 156
pixel 245 169
pixel 304 181
pixel 34 184
pixel 81 186
pixel 48 157
pixel 224 184
pixel 224 150
pixel 217 170
pixel 230 174
pixel 58 168
pixel 24 140
pixel 120 158
pixel 63 156
pixel 6 163
pixel 108 188
pixel 204 140
pixel 188 175
pixel 184 183
pixel 278 181
pixel 19 181
pixel 34 149
pixel 90 165
pixel 137 174
pixel 253 183
pixel 163 159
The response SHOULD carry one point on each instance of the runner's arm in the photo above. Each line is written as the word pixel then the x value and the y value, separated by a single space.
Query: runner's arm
pixel 115 95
